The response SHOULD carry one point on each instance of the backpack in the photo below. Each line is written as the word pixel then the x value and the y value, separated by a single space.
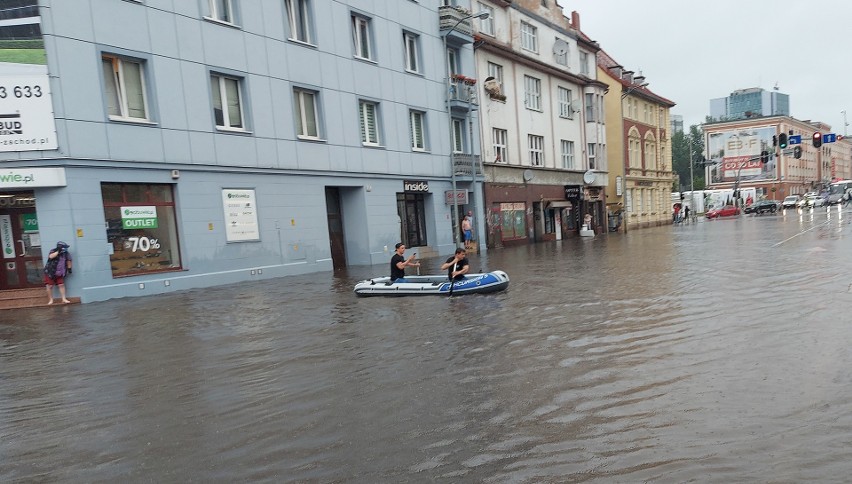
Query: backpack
pixel 50 266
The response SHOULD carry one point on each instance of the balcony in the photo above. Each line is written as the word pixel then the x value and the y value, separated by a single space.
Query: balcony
pixel 465 165
pixel 452 17
pixel 461 94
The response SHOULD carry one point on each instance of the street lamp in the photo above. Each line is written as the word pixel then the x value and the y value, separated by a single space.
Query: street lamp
pixel 455 215
pixel 625 150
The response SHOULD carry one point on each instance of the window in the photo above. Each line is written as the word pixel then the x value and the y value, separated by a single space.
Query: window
pixel 591 110
pixel 650 154
pixel 458 136
pixel 567 154
pixel 227 101
pixel 514 220
pixel 532 93
pixel 500 143
pixel 536 145
pixel 361 37
pixel 411 208
pixel 221 10
pixel 299 17
pixel 584 63
pixel 496 71
pixel 124 82
pixel 368 117
pixel 565 108
pixel 634 152
pixel 412 59
pixel 452 61
pixel 592 156
pixel 486 25
pixel 418 138
pixel 529 39
pixel 307 122
pixel 141 227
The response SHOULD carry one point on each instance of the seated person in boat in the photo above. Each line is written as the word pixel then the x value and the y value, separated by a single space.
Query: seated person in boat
pixel 457 265
pixel 399 263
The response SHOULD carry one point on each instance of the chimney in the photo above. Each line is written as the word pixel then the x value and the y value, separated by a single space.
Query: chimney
pixel 575 20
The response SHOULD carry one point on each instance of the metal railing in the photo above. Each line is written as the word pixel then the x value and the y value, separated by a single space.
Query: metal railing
pixel 465 165
pixel 451 15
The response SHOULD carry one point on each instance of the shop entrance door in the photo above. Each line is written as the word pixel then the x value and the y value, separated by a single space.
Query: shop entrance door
pixel 20 242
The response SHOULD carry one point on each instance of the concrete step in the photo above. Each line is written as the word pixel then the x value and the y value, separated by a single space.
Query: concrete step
pixel 30 298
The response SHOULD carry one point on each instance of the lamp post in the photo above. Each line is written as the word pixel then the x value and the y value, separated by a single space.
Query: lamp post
pixel 626 215
pixel 455 215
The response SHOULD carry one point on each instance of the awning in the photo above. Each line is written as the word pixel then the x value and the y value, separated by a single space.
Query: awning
pixel 560 204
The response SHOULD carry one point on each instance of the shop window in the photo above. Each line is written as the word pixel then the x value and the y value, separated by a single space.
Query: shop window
pixel 141 227
pixel 514 220
pixel 412 215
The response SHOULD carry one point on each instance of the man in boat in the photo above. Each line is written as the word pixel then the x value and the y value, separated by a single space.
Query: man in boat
pixel 399 263
pixel 457 265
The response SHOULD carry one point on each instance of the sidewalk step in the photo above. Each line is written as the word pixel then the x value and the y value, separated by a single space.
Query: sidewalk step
pixel 29 298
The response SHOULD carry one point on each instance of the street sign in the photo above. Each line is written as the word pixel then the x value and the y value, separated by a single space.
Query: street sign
pixel 829 137
pixel 795 140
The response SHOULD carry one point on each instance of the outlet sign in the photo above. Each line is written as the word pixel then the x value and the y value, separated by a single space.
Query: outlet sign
pixel 139 217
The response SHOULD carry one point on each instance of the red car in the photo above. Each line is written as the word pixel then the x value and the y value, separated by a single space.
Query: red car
pixel 726 211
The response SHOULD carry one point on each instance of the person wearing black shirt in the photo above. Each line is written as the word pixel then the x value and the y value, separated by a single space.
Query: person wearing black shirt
pixel 398 263
pixel 457 265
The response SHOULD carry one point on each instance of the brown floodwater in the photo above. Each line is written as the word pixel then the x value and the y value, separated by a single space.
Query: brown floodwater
pixel 714 352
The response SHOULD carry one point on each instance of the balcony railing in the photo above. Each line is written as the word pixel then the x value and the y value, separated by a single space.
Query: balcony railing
pixel 451 16
pixel 465 165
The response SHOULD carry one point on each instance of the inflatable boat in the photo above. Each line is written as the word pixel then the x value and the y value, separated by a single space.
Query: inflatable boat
pixel 438 284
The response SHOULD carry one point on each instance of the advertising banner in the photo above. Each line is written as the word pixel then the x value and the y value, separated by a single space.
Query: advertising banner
pixel 736 154
pixel 26 109
pixel 139 217
pixel 7 240
pixel 240 215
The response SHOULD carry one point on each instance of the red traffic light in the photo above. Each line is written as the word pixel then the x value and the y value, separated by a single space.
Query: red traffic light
pixel 817 139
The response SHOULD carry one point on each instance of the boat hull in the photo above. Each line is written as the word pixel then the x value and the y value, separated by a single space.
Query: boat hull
pixel 434 285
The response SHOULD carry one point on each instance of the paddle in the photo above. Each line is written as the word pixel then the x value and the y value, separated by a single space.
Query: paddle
pixel 452 281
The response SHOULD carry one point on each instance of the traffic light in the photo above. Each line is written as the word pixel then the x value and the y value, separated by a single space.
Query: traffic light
pixel 764 157
pixel 774 141
pixel 797 152
pixel 817 139
pixel 782 140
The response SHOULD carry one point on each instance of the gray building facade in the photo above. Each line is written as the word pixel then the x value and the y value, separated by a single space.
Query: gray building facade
pixel 194 143
pixel 750 103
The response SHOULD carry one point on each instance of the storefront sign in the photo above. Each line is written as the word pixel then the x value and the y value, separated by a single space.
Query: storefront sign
pixel 572 192
pixel 415 186
pixel 460 198
pixel 619 186
pixel 240 215
pixel 32 177
pixel 30 221
pixel 139 217
pixel 6 239
pixel 26 114
pixel 593 194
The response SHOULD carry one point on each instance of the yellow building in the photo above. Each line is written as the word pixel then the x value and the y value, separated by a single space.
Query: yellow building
pixel 639 143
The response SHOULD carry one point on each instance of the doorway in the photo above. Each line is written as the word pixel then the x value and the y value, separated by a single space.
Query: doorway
pixel 20 242
pixel 336 238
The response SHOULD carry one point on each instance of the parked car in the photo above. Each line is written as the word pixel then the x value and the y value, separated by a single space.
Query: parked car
pixel 762 206
pixel 726 211
pixel 790 202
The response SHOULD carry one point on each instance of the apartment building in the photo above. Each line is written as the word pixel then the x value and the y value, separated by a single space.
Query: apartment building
pixel 186 144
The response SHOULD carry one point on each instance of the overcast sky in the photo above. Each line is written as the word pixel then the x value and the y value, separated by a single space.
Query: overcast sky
pixel 693 51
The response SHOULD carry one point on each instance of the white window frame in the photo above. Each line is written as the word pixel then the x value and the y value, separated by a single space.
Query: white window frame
pixel 217 14
pixel 567 154
pixel 220 92
pixel 536 147
pixel 584 63
pixel 495 71
pixel 591 109
pixel 370 134
pixel 529 37
pixel 486 25
pixel 458 135
pixel 119 84
pixel 565 108
pixel 592 149
pixel 411 47
pixel 299 20
pixel 500 142
pixel 300 98
pixel 417 129
pixel 361 33
pixel 532 93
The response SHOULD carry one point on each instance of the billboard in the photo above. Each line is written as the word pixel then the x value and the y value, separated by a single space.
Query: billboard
pixel 26 109
pixel 736 154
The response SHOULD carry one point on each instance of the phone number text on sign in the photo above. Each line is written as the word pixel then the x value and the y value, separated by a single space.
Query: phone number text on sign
pixel 26 113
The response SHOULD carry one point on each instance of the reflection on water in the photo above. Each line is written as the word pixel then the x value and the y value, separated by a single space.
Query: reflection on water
pixel 712 352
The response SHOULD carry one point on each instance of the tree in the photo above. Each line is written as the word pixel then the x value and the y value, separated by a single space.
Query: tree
pixel 680 158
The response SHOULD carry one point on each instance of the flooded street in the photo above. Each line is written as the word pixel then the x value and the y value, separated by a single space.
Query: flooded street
pixel 714 352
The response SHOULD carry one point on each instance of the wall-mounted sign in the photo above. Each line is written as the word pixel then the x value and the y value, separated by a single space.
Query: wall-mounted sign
pixel 417 186
pixel 619 186
pixel 32 177
pixel 572 192
pixel 460 198
pixel 7 241
pixel 139 217
pixel 240 215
